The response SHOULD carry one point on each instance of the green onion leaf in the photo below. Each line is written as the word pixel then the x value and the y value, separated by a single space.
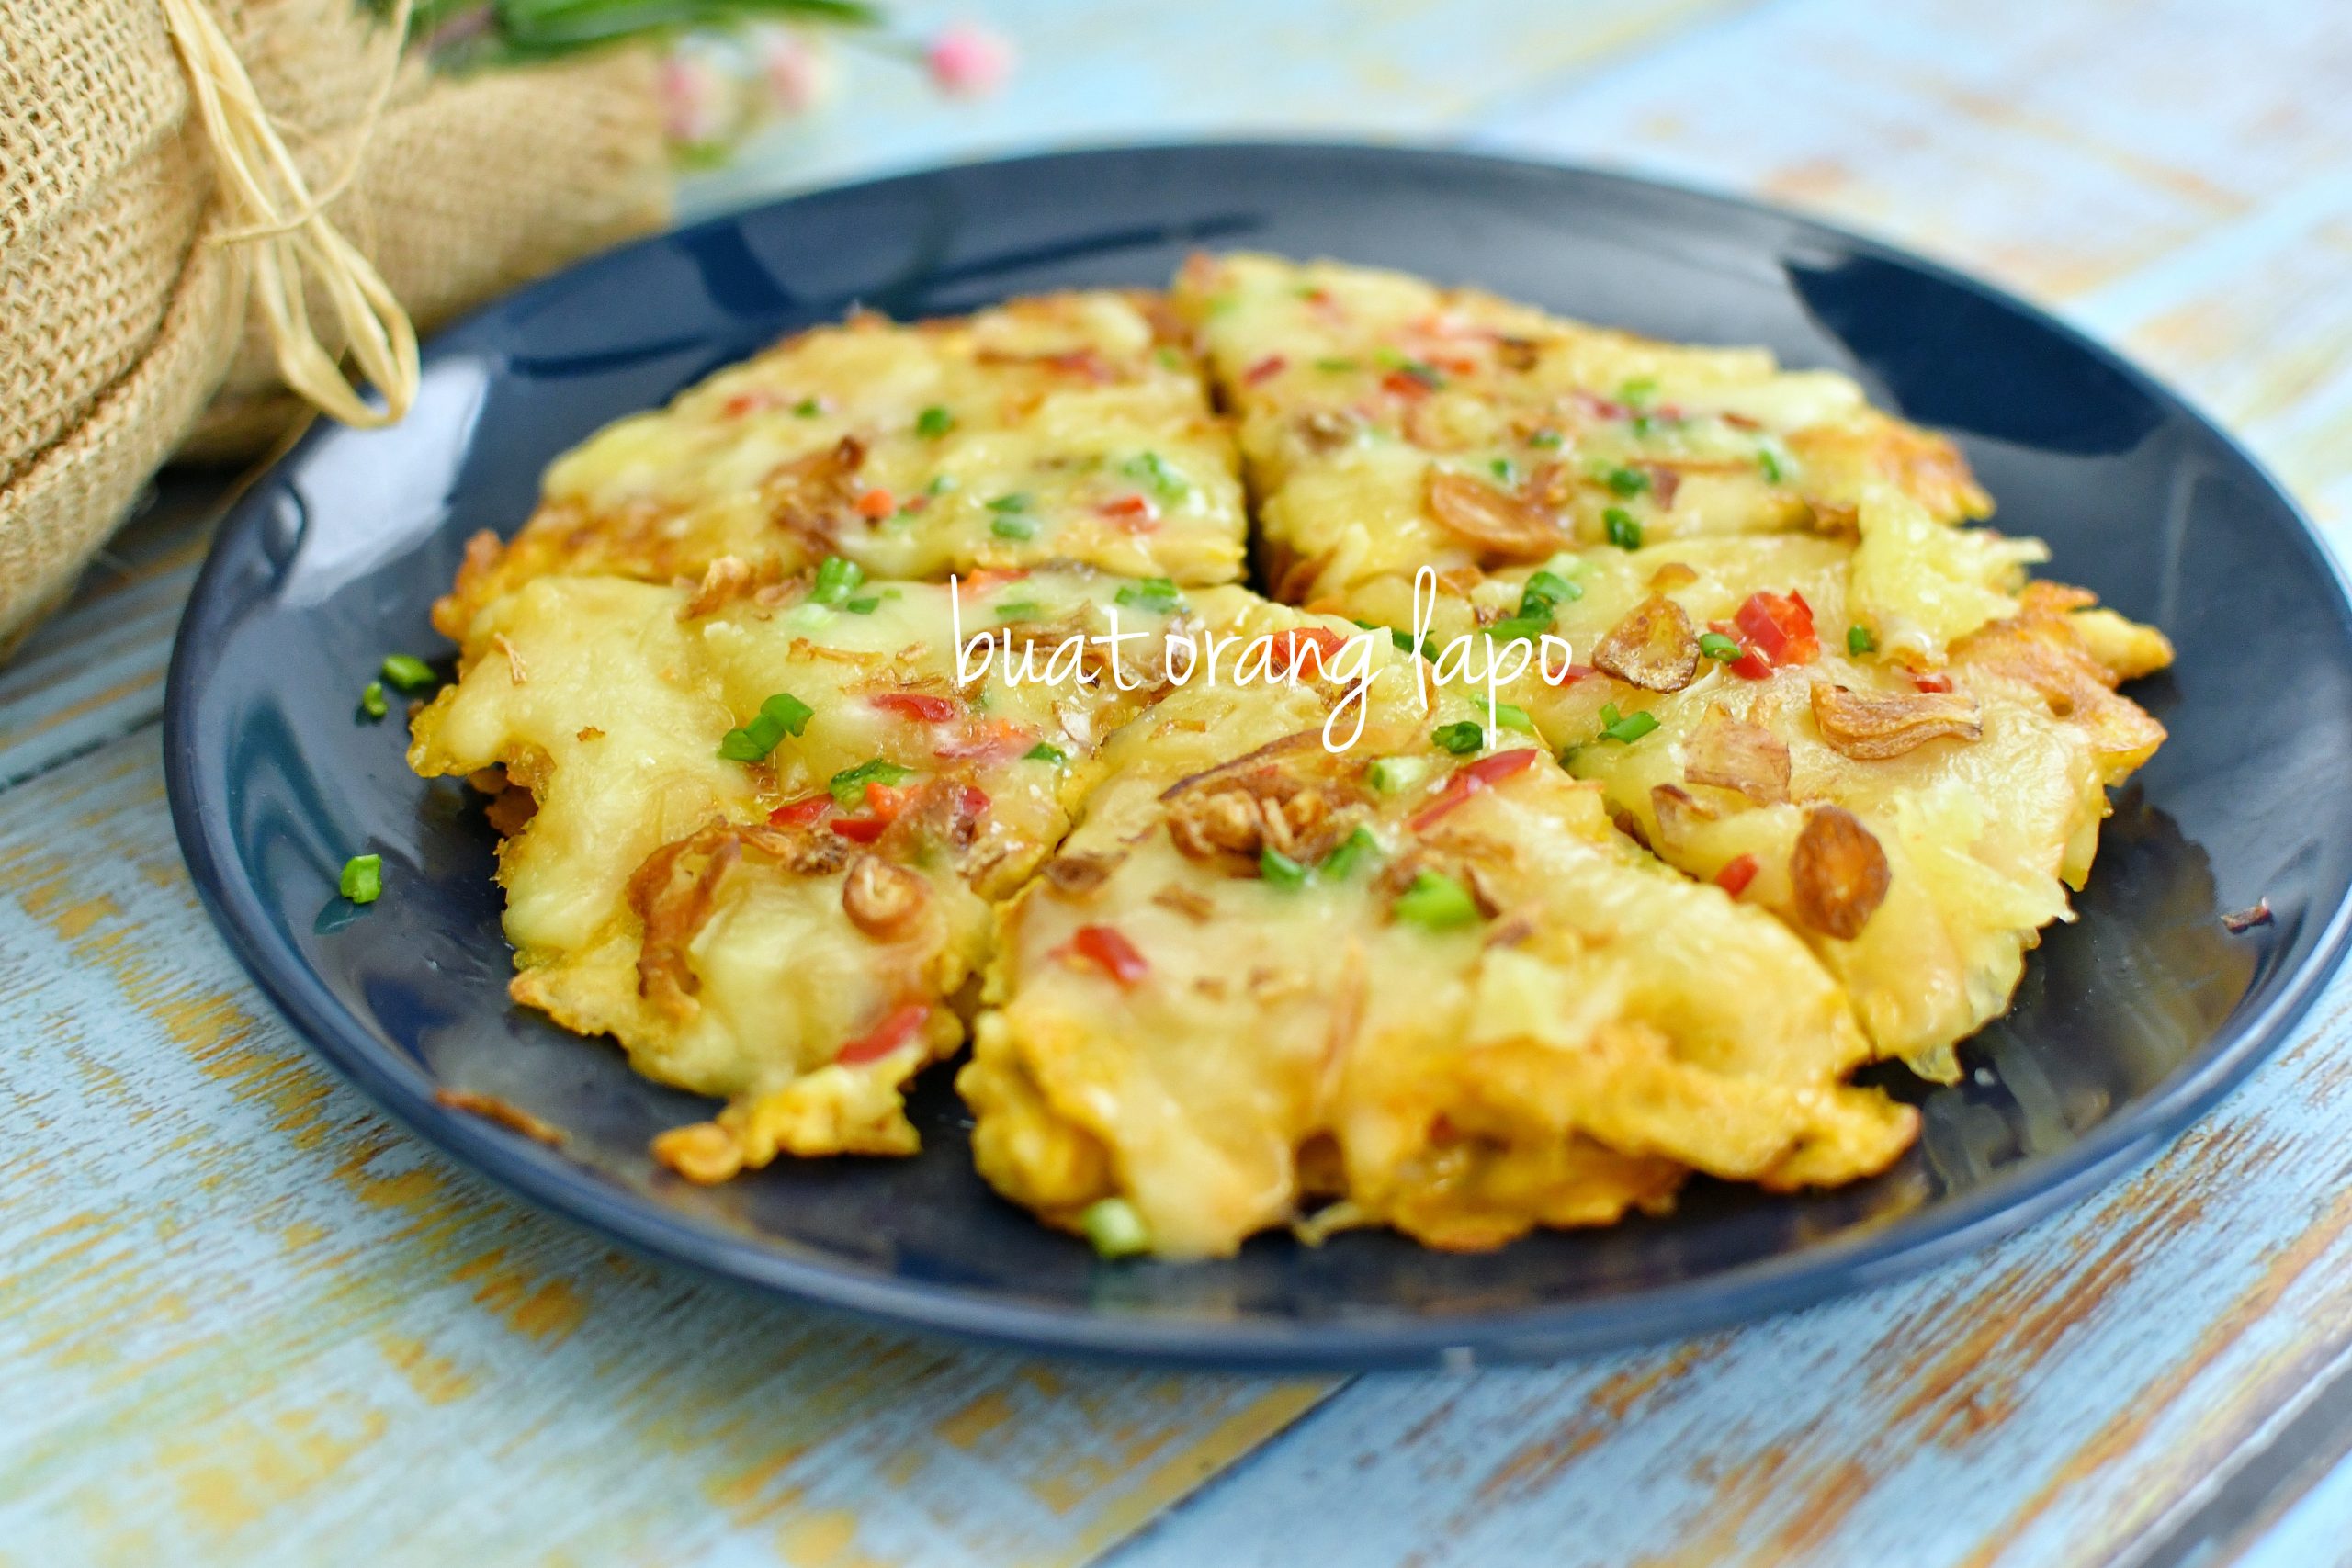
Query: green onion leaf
pixel 1351 852
pixel 788 711
pixel 848 786
pixel 836 580
pixel 1522 627
pixel 1016 609
pixel 1153 470
pixel 1637 391
pixel 941 484
pixel 371 700
pixel 1625 482
pixel 1509 717
pixel 1045 751
pixel 1858 641
pixel 363 879
pixel 409 672
pixel 1503 471
pixel 1627 730
pixel 1714 645
pixel 1771 467
pixel 808 408
pixel 1393 775
pixel 1158 595
pixel 1016 502
pixel 1280 870
pixel 1552 587
pixel 1115 1227
pixel 1014 527
pixel 1335 367
pixel 933 422
pixel 864 606
pixel 1546 439
pixel 1623 532
pixel 1460 739
pixel 1436 901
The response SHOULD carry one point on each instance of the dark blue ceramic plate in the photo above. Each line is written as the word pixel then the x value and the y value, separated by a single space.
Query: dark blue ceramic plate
pixel 2131 1023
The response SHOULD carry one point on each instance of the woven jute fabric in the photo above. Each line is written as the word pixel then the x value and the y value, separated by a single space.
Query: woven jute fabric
pixel 121 316
pixel 466 188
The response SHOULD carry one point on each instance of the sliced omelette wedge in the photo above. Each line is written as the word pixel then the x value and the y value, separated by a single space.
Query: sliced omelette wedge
pixel 1899 746
pixel 1061 428
pixel 1388 424
pixel 1415 981
pixel 751 832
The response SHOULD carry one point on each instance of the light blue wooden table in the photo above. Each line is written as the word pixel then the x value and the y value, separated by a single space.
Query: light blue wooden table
pixel 244 1319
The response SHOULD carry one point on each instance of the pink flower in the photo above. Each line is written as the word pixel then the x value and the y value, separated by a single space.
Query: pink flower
pixel 697 100
pixel 798 74
pixel 968 62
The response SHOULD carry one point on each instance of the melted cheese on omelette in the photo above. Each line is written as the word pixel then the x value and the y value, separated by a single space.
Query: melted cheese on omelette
pixel 1219 978
pixel 788 932
pixel 1388 424
pixel 1982 798
pixel 1069 427
pixel 1459 1002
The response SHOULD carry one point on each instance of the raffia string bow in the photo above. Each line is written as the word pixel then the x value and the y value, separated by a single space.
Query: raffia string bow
pixel 290 243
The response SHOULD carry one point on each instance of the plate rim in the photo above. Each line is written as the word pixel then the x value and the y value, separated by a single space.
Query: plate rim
pixel 1862 1258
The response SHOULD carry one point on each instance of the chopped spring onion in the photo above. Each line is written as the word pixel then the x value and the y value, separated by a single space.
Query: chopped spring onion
pixel 1625 482
pixel 1016 502
pixel 1520 627
pixel 933 422
pixel 864 606
pixel 1546 439
pixel 1153 470
pixel 1627 730
pixel 1013 526
pixel 371 700
pixel 1390 775
pixel 1155 594
pixel 808 408
pixel 1637 391
pixel 1460 739
pixel 1114 1228
pixel 780 715
pixel 837 578
pixel 1045 751
pixel 848 786
pixel 1623 532
pixel 1437 902
pixel 1771 467
pixel 409 672
pixel 363 879
pixel 1551 587
pixel 1508 716
pixel 1351 851
pixel 1280 870
pixel 1714 645
pixel 1858 641
pixel 1016 609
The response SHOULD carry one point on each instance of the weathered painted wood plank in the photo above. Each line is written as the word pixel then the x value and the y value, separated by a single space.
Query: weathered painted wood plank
pixel 244 1318
pixel 94 672
pixel 2059 149
pixel 2047 1403
pixel 2312 1535
pixel 1133 71
pixel 2076 1395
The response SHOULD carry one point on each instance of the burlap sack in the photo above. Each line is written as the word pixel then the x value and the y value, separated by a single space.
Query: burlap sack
pixel 119 318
